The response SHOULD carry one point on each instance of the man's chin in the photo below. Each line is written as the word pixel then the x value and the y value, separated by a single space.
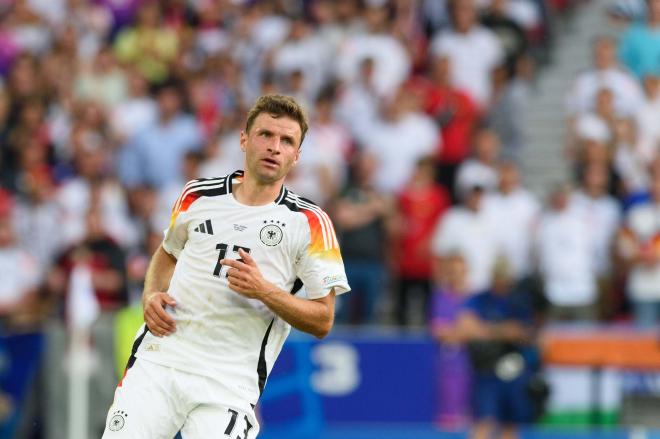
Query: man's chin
pixel 268 176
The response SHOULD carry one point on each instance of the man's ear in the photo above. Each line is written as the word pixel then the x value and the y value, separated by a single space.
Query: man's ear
pixel 243 140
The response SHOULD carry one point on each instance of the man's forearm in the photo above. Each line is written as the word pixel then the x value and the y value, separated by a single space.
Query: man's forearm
pixel 312 316
pixel 159 273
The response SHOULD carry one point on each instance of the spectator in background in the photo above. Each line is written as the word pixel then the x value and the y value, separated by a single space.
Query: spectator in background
pixel 647 117
pixel 154 156
pixel 401 136
pixel 22 313
pixel 473 50
pixel 515 211
pixel 320 171
pixel 598 124
pixel 19 273
pixel 455 113
pixel 102 81
pixel 509 105
pixel 105 261
pixel 148 45
pixel 222 153
pixel 565 258
pixel 360 216
pixel 306 53
pixel 606 73
pixel 91 183
pixel 28 142
pixel 453 367
pixel 639 247
pixel 468 229
pixel 25 26
pixel 134 113
pixel 596 135
pixel 498 333
pixel 391 61
pixel 481 168
pixel 629 163
pixel 358 102
pixel 510 34
pixel 419 206
pixel 640 45
pixel 602 215
pixel 143 211
pixel 103 255
pixel 37 219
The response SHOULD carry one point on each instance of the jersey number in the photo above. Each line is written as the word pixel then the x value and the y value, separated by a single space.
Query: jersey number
pixel 222 248
pixel 232 423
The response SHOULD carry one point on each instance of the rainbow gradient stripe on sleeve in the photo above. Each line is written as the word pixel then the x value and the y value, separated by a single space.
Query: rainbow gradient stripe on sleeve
pixel 182 204
pixel 323 239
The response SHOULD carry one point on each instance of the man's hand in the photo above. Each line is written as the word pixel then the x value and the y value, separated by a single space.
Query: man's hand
pixel 245 278
pixel 159 322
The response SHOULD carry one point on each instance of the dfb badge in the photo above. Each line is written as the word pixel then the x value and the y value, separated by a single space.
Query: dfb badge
pixel 271 234
pixel 118 420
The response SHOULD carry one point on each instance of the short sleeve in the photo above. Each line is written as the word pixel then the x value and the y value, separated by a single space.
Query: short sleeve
pixel 320 266
pixel 176 234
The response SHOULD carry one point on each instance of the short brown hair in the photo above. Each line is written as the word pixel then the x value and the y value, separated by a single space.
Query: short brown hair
pixel 278 106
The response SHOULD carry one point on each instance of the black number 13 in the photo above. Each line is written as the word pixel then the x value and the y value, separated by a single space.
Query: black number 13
pixel 222 248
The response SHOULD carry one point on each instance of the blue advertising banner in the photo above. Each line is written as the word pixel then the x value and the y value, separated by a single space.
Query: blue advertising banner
pixel 349 379
pixel 19 361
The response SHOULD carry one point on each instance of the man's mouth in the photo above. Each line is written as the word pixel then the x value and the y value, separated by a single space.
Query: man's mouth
pixel 270 162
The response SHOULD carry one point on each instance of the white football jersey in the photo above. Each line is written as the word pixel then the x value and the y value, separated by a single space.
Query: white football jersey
pixel 221 334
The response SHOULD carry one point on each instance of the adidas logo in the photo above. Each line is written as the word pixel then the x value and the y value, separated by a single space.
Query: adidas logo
pixel 205 227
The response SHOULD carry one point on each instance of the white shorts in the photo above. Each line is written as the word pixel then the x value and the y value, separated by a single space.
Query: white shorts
pixel 155 402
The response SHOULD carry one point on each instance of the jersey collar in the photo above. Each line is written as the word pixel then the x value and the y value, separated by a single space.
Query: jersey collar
pixel 238 176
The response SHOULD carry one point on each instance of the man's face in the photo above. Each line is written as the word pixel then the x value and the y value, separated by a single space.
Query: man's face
pixel 509 177
pixel 464 15
pixel 169 102
pixel 604 54
pixel 272 147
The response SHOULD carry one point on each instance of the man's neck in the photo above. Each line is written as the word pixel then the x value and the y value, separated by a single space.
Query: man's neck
pixel 593 193
pixel 165 119
pixel 508 190
pixel 251 193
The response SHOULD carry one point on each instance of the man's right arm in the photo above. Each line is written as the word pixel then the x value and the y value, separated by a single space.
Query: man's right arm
pixel 155 298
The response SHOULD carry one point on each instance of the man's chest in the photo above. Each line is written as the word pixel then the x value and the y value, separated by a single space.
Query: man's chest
pixel 220 233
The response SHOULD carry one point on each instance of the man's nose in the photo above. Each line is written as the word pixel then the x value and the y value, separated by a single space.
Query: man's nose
pixel 275 145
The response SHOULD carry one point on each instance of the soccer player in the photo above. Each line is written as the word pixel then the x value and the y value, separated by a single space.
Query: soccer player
pixel 222 291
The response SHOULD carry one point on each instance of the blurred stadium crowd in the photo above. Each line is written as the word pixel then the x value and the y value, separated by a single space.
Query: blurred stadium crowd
pixel 108 107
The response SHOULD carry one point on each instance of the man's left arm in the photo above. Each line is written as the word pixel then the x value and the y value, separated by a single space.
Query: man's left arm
pixel 312 316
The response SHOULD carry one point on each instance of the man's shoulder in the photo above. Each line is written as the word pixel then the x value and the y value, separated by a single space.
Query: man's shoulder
pixel 310 214
pixel 207 187
pixel 297 203
pixel 201 188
